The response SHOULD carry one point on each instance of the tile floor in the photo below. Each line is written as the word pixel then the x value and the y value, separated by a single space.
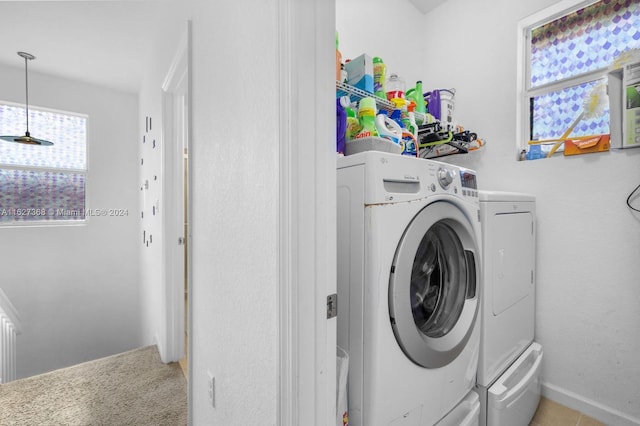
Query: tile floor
pixel 550 413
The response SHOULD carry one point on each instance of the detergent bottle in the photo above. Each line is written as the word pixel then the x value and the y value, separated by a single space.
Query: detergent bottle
pixel 367 116
pixel 415 94
pixel 379 77
pixel 401 116
pixel 353 124
pixel 341 126
pixel 388 128
pixel 396 114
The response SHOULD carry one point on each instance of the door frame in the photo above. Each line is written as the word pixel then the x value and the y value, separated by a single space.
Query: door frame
pixel 177 83
pixel 307 213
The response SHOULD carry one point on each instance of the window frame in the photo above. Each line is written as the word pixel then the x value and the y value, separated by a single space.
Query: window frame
pixel 84 172
pixel 524 90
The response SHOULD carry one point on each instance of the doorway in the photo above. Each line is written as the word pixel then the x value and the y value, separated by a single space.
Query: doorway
pixel 176 128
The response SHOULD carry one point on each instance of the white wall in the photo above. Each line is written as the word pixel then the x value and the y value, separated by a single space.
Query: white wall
pixel 235 210
pixel 234 206
pixel 588 303
pixel 169 27
pixel 76 288
pixel 389 30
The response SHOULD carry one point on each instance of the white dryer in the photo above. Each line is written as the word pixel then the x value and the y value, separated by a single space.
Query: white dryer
pixel 408 292
pixel 510 362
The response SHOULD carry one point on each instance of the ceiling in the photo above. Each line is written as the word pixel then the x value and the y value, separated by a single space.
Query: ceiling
pixel 96 41
pixel 99 42
pixel 426 6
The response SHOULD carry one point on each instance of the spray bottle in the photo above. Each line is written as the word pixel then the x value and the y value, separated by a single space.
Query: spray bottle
pixel 412 126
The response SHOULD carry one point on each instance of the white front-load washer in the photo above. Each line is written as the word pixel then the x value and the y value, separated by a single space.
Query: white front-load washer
pixel 408 291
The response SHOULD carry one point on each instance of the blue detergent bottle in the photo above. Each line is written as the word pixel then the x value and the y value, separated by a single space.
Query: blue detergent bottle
pixel 410 148
pixel 341 127
pixel 388 128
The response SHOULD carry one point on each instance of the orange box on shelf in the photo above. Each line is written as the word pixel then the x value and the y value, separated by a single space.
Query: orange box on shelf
pixel 587 144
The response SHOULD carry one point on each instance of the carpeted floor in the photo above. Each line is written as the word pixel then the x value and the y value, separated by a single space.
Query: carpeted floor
pixel 132 388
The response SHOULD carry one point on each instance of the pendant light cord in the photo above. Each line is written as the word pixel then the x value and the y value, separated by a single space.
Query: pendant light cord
pixel 26 139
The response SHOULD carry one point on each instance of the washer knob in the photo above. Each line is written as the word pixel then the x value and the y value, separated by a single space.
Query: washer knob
pixel 445 177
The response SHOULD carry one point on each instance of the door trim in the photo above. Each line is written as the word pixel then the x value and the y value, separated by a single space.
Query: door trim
pixel 307 213
pixel 172 173
pixel 172 163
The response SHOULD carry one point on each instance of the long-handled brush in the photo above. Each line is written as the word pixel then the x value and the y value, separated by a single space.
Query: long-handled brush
pixel 593 106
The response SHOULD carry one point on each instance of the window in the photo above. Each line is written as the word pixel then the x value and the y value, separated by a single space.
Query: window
pixel 567 54
pixel 42 184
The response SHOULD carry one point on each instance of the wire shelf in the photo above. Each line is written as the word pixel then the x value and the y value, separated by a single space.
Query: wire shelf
pixel 344 89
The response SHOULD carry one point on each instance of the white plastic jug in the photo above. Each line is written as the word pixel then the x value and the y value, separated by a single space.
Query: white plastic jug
pixel 388 128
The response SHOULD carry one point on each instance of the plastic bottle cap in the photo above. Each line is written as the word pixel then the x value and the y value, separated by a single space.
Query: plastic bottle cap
pixel 399 103
pixel 367 107
pixel 377 60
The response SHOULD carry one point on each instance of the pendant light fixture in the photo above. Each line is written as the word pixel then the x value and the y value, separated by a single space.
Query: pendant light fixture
pixel 27 138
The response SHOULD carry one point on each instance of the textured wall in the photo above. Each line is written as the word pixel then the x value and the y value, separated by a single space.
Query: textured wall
pixel 234 191
pixel 235 210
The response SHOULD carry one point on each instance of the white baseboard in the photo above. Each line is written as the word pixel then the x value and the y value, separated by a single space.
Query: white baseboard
pixel 601 412
pixel 161 349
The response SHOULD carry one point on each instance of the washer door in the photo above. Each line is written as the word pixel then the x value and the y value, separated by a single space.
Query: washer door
pixel 432 288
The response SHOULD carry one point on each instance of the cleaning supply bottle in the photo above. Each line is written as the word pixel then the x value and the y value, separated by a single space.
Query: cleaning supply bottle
pixel 379 77
pixel 401 116
pixel 353 124
pixel 413 125
pixel 367 116
pixel 341 127
pixel 338 59
pixel 388 128
pixel 397 113
pixel 395 87
pixel 415 94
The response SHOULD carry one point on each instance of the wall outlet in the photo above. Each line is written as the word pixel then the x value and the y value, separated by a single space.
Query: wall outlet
pixel 211 383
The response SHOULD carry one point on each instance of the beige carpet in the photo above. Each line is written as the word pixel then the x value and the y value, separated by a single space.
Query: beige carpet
pixel 132 388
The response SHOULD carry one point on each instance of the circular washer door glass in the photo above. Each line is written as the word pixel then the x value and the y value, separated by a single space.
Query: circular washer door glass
pixel 438 281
